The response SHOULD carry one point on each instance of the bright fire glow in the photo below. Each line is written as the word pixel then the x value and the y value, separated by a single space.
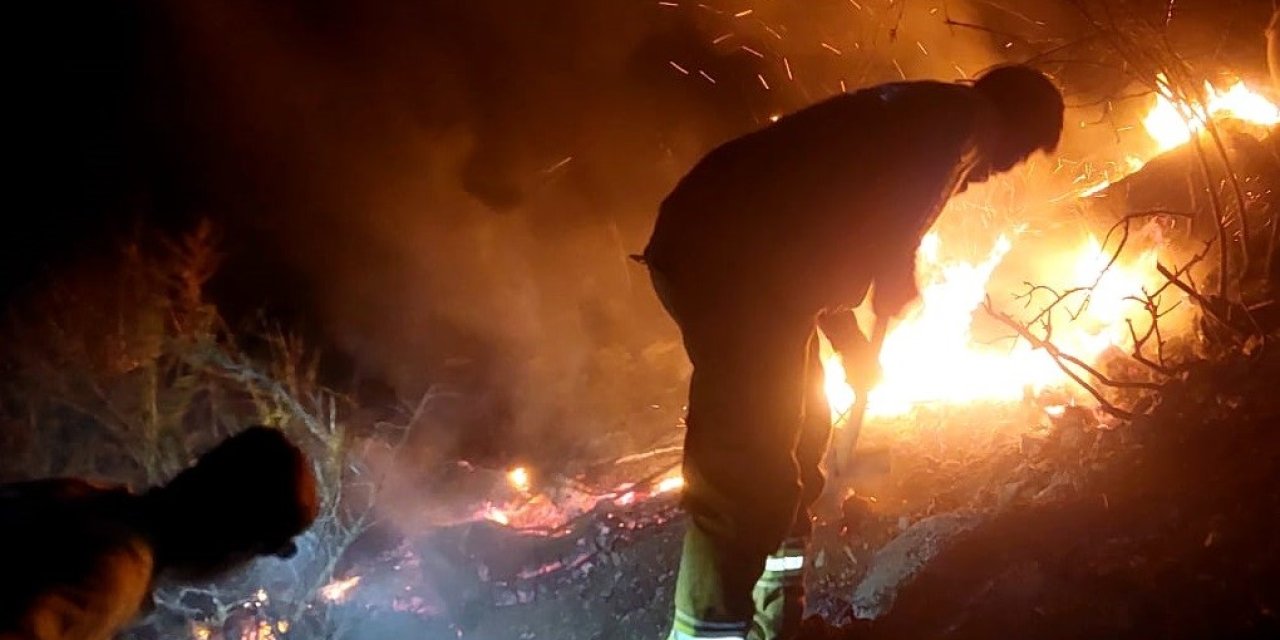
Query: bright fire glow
pixel 1171 124
pixel 519 478
pixel 669 484
pixel 930 356
pixel 338 590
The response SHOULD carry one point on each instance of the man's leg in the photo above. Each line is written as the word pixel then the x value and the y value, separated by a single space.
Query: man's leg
pixel 779 593
pixel 742 485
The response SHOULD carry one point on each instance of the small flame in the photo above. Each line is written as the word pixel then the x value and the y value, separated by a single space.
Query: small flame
pixel 338 590
pixel 1171 124
pixel 200 631
pixel 497 515
pixel 265 631
pixel 669 484
pixel 519 478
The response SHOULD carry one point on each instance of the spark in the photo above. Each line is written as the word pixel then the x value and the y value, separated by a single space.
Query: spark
pixel 678 67
pixel 922 49
pixel 722 38
pixel 752 51
pixel 744 13
pixel 763 82
pixel 705 75
pixel 832 49
pixel 787 63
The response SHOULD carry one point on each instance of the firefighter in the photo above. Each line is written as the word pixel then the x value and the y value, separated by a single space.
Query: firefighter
pixel 769 235
pixel 80 558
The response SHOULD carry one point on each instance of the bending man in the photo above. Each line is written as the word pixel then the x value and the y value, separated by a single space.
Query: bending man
pixel 769 233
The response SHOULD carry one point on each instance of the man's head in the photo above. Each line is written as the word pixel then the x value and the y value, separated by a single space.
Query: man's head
pixel 1031 112
pixel 247 497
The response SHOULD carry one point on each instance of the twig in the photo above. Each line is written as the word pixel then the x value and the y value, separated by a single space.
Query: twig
pixel 1061 360
pixel 1203 302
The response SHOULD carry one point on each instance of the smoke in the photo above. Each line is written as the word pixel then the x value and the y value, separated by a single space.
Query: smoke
pixel 449 190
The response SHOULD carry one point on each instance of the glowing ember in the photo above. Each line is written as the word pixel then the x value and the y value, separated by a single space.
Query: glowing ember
pixel 669 484
pixel 519 478
pixel 200 631
pixel 497 515
pixel 338 590
pixel 1171 124
pixel 265 631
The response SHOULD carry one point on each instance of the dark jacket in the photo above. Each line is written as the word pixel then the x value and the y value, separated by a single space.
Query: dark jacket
pixel 807 212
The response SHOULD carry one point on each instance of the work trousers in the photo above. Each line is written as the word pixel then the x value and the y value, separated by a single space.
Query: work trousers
pixel 758 427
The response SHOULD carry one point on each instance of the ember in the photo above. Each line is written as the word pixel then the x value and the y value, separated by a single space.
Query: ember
pixel 338 590
pixel 519 478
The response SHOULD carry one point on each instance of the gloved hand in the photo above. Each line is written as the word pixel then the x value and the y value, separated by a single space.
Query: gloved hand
pixel 892 296
pixel 861 369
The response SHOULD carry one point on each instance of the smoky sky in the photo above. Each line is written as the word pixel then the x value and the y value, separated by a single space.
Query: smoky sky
pixel 443 191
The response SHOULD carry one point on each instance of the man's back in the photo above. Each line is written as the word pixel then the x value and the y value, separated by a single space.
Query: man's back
pixel 785 206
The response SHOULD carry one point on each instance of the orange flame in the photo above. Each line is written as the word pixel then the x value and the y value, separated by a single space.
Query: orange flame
pixel 1171 124
pixel 519 478
pixel 930 356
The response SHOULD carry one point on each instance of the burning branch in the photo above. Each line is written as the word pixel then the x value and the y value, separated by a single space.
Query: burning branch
pixel 1062 360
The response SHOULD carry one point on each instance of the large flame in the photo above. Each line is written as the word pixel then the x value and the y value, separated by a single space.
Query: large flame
pixel 1171 124
pixel 930 356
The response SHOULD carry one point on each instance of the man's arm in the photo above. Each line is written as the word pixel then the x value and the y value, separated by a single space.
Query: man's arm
pixel 934 161
pixel 846 338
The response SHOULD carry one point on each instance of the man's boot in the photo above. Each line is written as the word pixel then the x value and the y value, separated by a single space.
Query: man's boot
pixel 779 594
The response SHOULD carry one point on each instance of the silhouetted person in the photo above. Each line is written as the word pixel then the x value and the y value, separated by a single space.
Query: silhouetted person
pixel 77 559
pixel 769 233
